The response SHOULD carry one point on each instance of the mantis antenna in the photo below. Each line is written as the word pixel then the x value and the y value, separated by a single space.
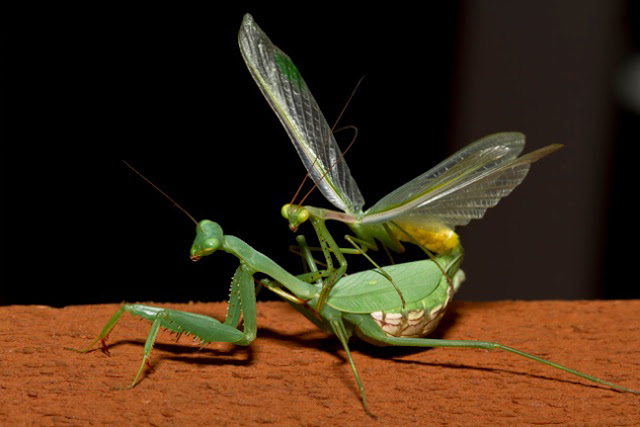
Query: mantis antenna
pixel 161 192
pixel 353 92
pixel 315 185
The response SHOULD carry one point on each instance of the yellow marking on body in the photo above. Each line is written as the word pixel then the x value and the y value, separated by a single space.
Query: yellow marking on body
pixel 438 239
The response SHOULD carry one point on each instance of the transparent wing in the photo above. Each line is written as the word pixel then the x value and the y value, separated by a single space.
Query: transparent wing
pixel 462 187
pixel 287 93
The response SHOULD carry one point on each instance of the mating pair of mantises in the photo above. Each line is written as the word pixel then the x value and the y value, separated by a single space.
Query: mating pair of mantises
pixel 393 305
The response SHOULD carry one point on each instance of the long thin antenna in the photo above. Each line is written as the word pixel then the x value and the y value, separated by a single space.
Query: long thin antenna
pixel 353 140
pixel 353 92
pixel 161 192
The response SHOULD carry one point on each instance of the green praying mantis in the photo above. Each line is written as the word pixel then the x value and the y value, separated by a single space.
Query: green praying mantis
pixel 423 212
pixel 397 304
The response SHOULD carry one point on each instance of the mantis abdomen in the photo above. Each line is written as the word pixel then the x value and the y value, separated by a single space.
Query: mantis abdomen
pixel 436 238
pixel 422 317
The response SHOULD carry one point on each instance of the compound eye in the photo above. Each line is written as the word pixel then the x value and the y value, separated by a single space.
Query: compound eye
pixel 285 211
pixel 303 216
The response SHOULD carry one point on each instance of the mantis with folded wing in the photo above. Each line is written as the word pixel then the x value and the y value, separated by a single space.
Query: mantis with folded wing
pixel 366 303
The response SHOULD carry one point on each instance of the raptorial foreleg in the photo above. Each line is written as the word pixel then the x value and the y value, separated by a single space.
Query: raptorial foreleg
pixel 203 328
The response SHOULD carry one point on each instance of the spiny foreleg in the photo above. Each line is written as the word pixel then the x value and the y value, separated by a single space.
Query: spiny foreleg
pixel 204 329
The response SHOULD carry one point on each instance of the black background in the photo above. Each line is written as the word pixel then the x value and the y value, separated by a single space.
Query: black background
pixel 167 90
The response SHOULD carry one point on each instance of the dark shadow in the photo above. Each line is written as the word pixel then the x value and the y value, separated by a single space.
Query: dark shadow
pixel 392 351
pixel 454 366
pixel 209 356
pixel 329 344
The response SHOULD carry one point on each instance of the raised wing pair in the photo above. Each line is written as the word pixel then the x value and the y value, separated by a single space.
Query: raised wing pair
pixel 363 304
pixel 425 210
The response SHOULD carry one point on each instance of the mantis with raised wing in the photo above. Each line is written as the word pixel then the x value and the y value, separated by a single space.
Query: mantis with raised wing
pixel 424 211
pixel 364 303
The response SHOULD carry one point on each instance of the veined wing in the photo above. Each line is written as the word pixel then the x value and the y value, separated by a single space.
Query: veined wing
pixel 288 94
pixel 462 187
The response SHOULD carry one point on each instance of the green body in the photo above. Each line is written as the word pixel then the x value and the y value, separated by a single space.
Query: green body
pixel 391 305
pixel 422 212
pixel 421 283
pixel 355 305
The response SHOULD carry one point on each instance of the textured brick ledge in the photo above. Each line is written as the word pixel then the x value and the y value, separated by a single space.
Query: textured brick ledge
pixel 294 374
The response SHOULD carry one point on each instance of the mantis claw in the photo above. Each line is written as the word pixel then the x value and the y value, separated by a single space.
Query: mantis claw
pixel 105 349
pixel 129 387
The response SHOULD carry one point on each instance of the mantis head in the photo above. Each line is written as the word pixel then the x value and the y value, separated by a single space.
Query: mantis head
pixel 295 214
pixel 209 238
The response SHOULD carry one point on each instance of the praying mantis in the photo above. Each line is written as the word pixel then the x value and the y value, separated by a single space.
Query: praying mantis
pixel 423 212
pixel 397 304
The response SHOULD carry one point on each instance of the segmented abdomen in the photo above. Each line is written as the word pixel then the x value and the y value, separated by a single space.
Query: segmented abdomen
pixel 421 318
